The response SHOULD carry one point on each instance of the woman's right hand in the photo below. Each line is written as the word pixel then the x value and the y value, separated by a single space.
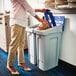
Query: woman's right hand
pixel 44 25
pixel 44 22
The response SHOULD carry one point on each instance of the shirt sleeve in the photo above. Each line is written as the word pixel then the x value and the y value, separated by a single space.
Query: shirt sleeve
pixel 27 7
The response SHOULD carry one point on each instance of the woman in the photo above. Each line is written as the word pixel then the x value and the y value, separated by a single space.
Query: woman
pixel 18 23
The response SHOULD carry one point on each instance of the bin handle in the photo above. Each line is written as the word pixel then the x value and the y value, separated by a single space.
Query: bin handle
pixel 37 45
pixel 29 43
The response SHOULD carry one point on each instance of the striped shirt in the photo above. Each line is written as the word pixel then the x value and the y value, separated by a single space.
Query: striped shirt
pixel 18 13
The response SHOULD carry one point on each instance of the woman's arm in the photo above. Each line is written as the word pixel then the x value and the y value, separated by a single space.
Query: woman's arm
pixel 40 10
pixel 26 6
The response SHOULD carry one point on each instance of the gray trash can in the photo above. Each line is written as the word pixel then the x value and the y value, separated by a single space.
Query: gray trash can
pixel 31 38
pixel 44 46
pixel 48 46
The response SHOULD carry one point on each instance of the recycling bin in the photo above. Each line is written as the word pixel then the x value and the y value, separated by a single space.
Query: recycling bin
pixel 44 45
pixel 48 47
pixel 31 39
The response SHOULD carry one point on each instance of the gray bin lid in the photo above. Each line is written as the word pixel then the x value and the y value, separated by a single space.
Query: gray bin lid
pixel 48 31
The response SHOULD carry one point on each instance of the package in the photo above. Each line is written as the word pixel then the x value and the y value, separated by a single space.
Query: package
pixel 43 26
pixel 72 4
pixel 71 0
pixel 49 0
pixel 61 0
pixel 50 3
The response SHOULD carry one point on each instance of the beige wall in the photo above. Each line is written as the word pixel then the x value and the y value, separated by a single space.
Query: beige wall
pixel 1 6
pixel 4 33
pixel 68 45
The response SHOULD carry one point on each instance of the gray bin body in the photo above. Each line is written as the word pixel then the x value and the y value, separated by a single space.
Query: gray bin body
pixel 31 38
pixel 46 44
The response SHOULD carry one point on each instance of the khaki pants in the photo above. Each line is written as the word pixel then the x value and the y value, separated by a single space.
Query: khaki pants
pixel 16 44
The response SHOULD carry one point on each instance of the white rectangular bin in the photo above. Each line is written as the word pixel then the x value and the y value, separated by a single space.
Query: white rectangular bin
pixel 48 46
pixel 31 38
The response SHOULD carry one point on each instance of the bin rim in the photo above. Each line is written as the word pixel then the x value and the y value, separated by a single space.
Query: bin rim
pixel 55 29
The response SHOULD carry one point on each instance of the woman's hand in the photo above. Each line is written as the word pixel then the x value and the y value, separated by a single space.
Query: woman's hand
pixel 44 25
pixel 40 10
pixel 43 10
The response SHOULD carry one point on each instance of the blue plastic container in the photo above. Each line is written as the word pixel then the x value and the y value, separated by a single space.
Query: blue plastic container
pixel 50 18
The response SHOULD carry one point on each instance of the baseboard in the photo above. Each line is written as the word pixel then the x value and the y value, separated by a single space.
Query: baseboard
pixel 3 51
pixel 67 65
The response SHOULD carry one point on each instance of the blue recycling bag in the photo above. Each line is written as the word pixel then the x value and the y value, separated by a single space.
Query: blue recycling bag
pixel 54 20
pixel 59 20
pixel 50 18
